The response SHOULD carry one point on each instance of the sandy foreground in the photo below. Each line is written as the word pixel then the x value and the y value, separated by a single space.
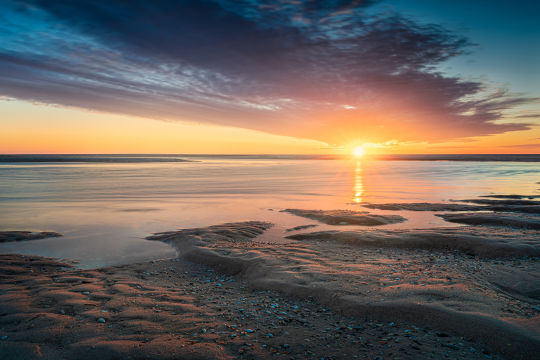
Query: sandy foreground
pixel 172 309
pixel 332 294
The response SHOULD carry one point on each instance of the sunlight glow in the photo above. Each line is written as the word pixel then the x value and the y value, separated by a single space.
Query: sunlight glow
pixel 359 151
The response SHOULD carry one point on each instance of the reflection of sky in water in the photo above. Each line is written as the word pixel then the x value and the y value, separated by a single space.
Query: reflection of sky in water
pixel 106 210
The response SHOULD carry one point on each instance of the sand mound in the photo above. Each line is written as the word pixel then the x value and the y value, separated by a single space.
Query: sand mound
pixel 511 196
pixel 232 232
pixel 301 227
pixel 501 202
pixel 494 219
pixel 530 209
pixel 359 281
pixel 424 207
pixel 347 217
pixel 466 240
pixel 6 236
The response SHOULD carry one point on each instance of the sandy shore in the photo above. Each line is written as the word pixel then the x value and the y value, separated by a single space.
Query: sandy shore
pixel 172 309
pixel 471 292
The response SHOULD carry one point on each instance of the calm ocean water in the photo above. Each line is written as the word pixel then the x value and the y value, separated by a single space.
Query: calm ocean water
pixel 106 205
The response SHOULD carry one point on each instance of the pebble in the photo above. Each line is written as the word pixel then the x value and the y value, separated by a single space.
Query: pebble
pixel 101 320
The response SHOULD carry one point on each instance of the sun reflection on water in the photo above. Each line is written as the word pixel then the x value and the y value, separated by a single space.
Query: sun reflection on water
pixel 358 188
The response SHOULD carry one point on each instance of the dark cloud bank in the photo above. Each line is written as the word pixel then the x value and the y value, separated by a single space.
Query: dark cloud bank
pixel 327 70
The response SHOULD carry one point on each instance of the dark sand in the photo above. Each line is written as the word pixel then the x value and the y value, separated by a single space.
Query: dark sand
pixel 491 243
pixel 487 205
pixel 501 202
pixel 301 227
pixel 6 236
pixel 425 207
pixel 497 219
pixel 511 196
pixel 347 217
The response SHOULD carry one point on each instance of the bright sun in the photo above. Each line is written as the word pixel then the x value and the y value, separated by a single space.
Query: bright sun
pixel 359 151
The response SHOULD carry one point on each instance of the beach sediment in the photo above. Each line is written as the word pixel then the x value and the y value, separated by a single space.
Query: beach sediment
pixel 8 236
pixel 468 292
pixel 171 309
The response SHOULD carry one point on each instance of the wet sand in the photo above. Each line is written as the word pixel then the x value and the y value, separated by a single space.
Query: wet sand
pixel 503 220
pixel 170 309
pixel 7 236
pixel 347 217
pixel 471 292
pixel 485 242
pixel 493 206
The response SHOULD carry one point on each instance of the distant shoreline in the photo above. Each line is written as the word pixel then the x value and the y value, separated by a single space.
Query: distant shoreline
pixel 139 158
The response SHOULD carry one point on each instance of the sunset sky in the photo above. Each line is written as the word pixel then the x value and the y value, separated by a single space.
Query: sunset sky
pixel 274 76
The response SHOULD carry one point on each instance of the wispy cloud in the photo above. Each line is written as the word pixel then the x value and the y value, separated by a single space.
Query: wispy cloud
pixel 528 116
pixel 533 146
pixel 318 69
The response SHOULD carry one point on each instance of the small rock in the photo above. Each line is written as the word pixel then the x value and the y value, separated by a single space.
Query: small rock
pixel 101 320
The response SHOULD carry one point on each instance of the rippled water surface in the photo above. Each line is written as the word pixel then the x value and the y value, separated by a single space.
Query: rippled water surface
pixel 105 206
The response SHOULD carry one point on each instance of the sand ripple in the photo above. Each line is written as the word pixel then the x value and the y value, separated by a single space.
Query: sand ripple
pixel 397 277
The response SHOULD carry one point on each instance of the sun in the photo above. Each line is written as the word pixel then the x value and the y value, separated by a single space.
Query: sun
pixel 359 151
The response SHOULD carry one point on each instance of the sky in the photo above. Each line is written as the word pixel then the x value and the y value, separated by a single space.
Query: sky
pixel 272 76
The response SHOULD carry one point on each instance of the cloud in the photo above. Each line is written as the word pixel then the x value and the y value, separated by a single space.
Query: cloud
pixel 534 145
pixel 326 70
pixel 528 116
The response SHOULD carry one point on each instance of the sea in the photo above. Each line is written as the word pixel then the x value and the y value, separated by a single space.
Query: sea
pixel 105 205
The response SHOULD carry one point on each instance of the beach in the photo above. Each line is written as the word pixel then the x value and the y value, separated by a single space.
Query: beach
pixel 170 309
pixel 269 179
pixel 236 298
pixel 415 276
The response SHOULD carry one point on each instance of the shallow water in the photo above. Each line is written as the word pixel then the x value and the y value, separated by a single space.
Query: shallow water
pixel 106 208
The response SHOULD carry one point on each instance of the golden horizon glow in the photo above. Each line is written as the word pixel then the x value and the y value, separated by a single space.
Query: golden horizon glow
pixel 42 129
pixel 30 128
